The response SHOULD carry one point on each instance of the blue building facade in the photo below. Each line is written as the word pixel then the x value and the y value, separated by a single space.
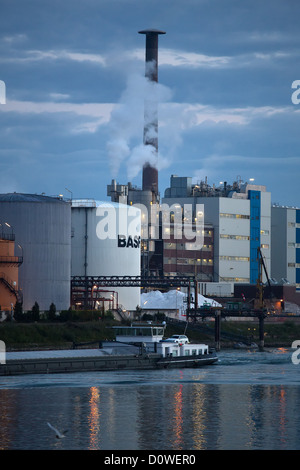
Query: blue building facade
pixel 255 213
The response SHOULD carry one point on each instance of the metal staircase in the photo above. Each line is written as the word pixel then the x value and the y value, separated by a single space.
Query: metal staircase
pixel 9 284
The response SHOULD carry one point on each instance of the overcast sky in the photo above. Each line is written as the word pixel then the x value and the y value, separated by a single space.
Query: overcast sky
pixel 75 88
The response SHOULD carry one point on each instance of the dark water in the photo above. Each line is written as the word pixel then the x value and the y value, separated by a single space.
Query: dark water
pixel 249 400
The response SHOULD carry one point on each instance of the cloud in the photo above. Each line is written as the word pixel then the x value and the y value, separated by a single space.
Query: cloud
pixel 15 38
pixel 97 110
pixel 125 128
pixel 38 55
pixel 59 96
pixel 193 60
pixel 189 116
pixel 228 167
pixel 177 58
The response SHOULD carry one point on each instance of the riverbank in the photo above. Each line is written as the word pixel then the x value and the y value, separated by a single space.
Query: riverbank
pixel 40 335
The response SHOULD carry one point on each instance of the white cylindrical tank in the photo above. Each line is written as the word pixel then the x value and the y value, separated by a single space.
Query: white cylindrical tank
pixel 106 241
pixel 42 228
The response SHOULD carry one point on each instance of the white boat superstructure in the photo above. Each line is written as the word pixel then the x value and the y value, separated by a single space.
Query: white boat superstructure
pixel 150 337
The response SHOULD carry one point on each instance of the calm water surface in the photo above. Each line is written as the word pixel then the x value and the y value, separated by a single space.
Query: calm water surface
pixel 249 400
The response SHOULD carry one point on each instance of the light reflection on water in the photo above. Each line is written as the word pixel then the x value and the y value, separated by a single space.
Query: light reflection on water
pixel 247 401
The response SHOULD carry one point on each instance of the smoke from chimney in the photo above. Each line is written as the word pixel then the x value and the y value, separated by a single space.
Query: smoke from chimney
pixel 150 172
pixel 136 114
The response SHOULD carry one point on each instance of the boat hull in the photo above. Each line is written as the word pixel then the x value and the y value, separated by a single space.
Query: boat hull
pixel 187 362
pixel 106 363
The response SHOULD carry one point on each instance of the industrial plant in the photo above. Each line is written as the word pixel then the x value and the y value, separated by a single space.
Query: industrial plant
pixel 87 254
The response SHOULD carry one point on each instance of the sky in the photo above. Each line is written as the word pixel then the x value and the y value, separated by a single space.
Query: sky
pixel 72 111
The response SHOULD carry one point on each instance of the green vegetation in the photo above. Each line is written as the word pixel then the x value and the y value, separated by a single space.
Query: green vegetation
pixel 275 334
pixel 56 335
pixel 61 331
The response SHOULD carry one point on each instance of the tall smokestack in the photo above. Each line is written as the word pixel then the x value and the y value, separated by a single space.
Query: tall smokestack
pixel 150 173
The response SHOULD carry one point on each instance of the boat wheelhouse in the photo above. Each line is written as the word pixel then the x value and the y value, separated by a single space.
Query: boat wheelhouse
pixel 147 333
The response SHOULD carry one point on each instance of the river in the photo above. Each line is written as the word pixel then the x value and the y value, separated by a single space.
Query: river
pixel 249 400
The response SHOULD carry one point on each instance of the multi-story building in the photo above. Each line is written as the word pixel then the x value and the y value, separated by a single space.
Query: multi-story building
pixel 239 216
pixel 285 251
pixel 180 259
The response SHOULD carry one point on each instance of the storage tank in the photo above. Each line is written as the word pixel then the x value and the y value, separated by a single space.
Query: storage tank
pixel 106 241
pixel 42 229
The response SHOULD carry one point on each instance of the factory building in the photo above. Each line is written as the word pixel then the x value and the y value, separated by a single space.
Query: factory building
pixel 285 250
pixel 106 241
pixel 240 216
pixel 182 259
pixel 40 228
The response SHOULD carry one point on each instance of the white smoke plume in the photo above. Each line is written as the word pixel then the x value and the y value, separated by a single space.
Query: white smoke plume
pixel 137 108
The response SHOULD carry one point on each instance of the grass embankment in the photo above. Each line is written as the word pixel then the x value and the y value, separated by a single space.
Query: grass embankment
pixel 275 334
pixel 53 335
pixel 62 335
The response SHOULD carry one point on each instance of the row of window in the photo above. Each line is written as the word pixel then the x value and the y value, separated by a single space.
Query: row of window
pixel 235 237
pixel 234 216
pixel 185 246
pixel 234 258
pixel 193 352
pixel 178 246
pixel 236 279
pixel 190 261
pixel 180 230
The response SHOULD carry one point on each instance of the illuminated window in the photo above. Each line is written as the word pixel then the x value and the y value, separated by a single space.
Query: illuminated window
pixel 234 258
pixel 234 216
pixel 235 237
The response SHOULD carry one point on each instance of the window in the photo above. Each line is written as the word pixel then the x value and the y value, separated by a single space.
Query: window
pixel 169 246
pixel 234 258
pixel 235 237
pixel 169 260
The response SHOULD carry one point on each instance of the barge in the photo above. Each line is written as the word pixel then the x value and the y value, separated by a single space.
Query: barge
pixel 136 347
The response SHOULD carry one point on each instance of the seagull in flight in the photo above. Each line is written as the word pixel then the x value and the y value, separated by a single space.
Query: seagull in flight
pixel 58 434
